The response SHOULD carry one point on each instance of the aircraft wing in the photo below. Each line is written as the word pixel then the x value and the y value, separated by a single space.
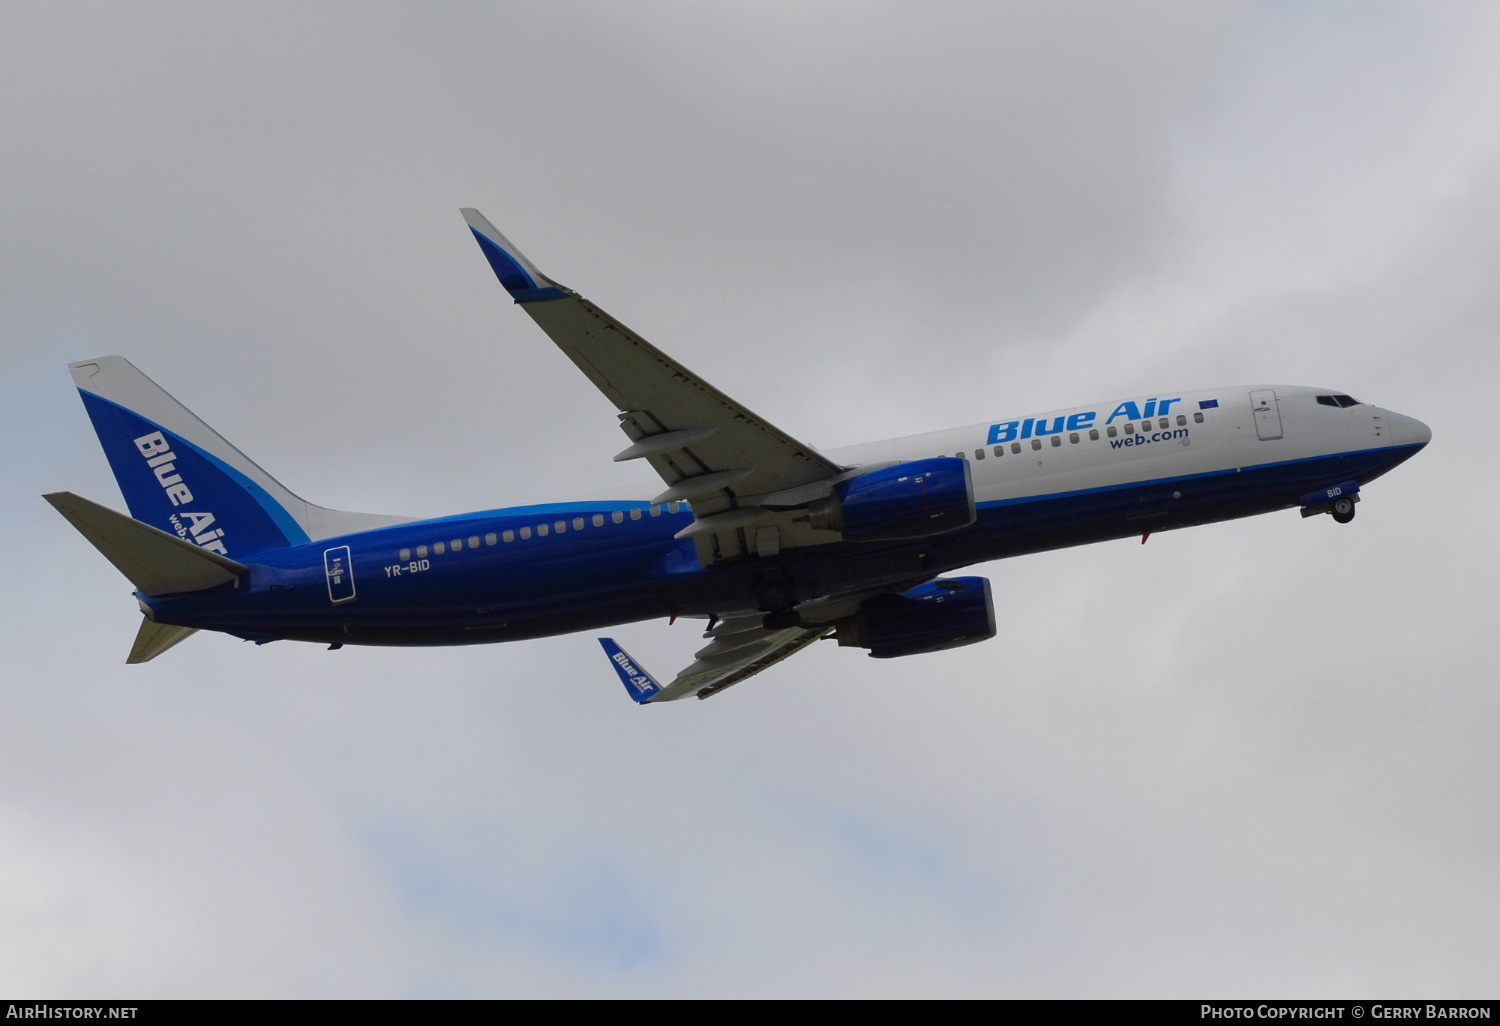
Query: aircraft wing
pixel 709 450
pixel 740 649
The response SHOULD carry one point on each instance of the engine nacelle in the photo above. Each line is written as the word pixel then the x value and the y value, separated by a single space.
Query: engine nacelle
pixel 949 612
pixel 910 500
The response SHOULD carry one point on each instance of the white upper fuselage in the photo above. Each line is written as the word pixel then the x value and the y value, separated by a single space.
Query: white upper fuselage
pixel 1116 443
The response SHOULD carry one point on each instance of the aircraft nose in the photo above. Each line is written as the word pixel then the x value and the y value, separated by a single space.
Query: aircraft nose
pixel 1409 431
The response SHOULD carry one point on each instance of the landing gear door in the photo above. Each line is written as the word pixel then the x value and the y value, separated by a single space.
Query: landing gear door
pixel 1267 414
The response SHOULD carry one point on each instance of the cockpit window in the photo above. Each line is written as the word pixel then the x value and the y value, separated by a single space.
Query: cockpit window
pixel 1338 400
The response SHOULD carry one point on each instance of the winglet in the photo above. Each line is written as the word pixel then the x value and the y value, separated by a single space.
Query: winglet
pixel 519 276
pixel 640 684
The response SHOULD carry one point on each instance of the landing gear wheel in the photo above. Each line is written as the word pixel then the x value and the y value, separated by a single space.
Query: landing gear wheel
pixel 1343 510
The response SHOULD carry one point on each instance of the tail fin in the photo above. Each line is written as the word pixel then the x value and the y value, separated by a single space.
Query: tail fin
pixel 181 476
pixel 156 562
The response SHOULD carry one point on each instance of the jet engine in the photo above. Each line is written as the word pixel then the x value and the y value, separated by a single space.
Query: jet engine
pixel 909 500
pixel 949 612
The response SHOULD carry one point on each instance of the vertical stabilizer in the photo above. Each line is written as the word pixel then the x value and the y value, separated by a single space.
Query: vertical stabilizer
pixel 181 476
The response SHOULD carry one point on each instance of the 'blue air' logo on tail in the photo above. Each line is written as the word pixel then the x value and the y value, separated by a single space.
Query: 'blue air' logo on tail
pixel 163 462
pixel 164 475
pixel 194 527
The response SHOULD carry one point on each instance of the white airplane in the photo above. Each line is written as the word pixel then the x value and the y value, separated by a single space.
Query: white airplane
pixel 775 543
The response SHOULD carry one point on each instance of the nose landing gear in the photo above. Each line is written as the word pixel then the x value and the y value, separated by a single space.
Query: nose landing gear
pixel 1338 502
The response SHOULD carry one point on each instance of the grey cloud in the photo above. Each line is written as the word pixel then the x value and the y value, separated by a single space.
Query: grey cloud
pixel 1251 757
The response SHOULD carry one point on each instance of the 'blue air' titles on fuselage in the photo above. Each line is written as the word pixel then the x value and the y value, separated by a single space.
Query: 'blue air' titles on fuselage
pixel 1036 427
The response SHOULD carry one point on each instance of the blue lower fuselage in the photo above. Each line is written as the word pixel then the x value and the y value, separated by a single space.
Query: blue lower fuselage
pixel 410 585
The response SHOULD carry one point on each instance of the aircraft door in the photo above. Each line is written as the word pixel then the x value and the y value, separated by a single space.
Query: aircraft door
pixel 338 568
pixel 1267 414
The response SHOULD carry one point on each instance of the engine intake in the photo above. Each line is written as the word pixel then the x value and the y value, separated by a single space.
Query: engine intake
pixel 949 612
pixel 910 500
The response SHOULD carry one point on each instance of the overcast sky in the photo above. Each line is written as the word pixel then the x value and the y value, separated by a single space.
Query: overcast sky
pixel 1251 758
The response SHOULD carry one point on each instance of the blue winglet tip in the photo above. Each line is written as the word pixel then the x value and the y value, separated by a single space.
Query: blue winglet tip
pixel 506 267
pixel 519 276
pixel 639 684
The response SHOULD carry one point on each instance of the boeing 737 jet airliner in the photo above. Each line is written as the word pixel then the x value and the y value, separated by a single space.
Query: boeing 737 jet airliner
pixel 775 543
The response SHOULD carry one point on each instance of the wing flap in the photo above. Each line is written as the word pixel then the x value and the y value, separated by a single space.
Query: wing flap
pixel 752 659
pixel 728 659
pixel 656 395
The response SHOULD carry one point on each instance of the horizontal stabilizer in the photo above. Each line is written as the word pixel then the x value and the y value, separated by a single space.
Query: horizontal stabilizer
pixel 155 638
pixel 154 561
pixel 641 686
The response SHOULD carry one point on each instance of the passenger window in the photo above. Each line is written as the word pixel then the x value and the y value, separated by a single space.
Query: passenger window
pixel 1056 441
pixel 1145 425
pixel 1073 438
pixel 405 555
pixel 635 513
pixel 1093 434
pixel 999 450
pixel 958 455
pixel 578 523
pixel 979 454
pixel 1015 447
pixel 1111 431
pixel 542 530
pixel 1181 420
pixel 598 519
pixel 421 551
pixel 438 548
pixel 473 541
pixel 491 538
pixel 617 517
pixel 1163 422
pixel 672 507
pixel 1130 429
pixel 1036 443
pixel 509 536
pixel 525 533
pixel 458 544
pixel 1197 418
pixel 655 511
